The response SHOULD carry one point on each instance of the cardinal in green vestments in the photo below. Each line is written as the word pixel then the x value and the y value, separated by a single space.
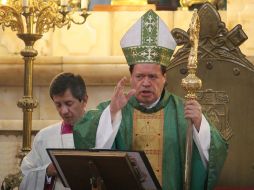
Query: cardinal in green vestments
pixel 150 118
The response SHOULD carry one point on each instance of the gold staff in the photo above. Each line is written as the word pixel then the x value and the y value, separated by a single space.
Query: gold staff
pixel 191 83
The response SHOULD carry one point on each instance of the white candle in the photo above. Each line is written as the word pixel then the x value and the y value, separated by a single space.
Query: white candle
pixel 83 4
pixel 64 2
pixel 4 2
pixel 25 3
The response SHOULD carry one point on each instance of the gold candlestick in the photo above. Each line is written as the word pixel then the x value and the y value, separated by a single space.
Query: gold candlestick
pixel 39 16
pixel 191 83
pixel 30 19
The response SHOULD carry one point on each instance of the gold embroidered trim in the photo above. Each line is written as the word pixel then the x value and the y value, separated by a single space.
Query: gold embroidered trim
pixel 148 136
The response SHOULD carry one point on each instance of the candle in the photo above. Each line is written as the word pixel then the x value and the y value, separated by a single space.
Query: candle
pixel 3 2
pixel 64 2
pixel 25 3
pixel 83 4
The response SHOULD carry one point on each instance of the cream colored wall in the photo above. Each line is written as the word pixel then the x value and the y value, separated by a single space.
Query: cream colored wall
pixel 101 33
pixel 91 50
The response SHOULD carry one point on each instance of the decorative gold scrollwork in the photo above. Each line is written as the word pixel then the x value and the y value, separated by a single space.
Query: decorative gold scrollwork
pixel 27 103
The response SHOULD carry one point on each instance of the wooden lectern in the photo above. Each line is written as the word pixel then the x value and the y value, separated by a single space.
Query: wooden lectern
pixel 104 169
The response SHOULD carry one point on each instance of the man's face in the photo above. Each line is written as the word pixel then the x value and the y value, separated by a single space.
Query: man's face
pixel 148 81
pixel 69 108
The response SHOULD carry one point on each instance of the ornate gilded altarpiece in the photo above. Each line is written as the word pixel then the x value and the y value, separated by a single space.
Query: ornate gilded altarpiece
pixel 227 92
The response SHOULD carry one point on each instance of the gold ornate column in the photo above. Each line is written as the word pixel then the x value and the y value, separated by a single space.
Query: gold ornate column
pixel 27 102
pixel 30 19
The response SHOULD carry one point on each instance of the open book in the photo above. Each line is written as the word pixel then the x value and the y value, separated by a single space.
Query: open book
pixel 117 170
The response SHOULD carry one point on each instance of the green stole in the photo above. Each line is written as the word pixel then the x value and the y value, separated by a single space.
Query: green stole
pixel 174 132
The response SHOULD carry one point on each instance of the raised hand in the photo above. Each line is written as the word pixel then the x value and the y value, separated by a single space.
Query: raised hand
pixel 193 111
pixel 120 98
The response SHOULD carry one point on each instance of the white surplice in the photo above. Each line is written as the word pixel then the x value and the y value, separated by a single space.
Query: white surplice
pixel 37 160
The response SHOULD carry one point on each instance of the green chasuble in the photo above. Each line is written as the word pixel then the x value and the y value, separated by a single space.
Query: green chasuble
pixel 174 135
